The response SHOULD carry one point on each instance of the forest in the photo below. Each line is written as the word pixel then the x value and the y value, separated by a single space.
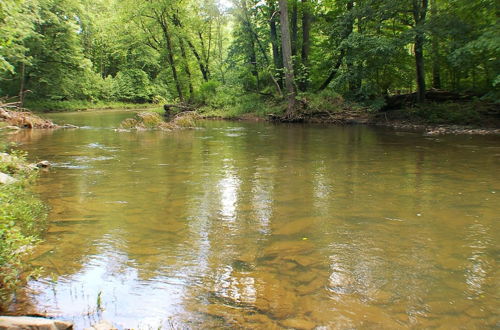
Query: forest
pixel 227 57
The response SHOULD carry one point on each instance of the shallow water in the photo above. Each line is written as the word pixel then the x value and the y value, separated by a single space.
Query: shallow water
pixel 266 226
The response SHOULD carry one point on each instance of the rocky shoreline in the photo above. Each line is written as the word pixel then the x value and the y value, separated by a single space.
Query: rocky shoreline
pixel 21 118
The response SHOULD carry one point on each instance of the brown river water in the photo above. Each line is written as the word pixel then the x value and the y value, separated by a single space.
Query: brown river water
pixel 261 226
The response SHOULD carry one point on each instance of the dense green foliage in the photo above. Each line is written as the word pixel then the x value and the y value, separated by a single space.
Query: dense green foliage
pixel 22 218
pixel 212 54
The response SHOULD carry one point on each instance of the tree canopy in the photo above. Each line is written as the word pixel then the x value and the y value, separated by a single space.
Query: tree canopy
pixel 209 52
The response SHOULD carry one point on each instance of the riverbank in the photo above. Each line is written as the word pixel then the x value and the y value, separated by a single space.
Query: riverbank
pixel 22 220
pixel 472 117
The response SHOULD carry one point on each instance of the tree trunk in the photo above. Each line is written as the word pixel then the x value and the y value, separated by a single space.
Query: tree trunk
pixel 419 14
pixel 436 63
pixel 345 34
pixel 334 71
pixel 252 56
pixel 295 29
pixel 206 53
pixel 287 58
pixel 170 57
pixel 186 68
pixel 204 70
pixel 277 57
pixel 306 43
pixel 21 87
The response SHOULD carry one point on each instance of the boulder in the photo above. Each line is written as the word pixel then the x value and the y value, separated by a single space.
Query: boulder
pixel 32 323
pixel 6 179
pixel 43 164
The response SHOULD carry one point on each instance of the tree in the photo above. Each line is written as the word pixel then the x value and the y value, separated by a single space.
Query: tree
pixel 419 15
pixel 306 43
pixel 287 59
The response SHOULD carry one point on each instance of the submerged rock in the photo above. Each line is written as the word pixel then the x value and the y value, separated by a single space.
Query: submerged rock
pixel 297 323
pixel 32 323
pixel 43 164
pixel 102 325
pixel 12 128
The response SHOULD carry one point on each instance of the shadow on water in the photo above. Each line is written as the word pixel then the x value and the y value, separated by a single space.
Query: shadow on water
pixel 262 226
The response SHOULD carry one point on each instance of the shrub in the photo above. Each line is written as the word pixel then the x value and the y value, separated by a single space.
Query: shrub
pixel 326 100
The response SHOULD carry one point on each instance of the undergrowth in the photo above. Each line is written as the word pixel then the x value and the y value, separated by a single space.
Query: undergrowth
pixel 76 105
pixel 22 219
pixel 447 113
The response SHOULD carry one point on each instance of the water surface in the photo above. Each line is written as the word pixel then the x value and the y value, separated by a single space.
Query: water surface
pixel 256 225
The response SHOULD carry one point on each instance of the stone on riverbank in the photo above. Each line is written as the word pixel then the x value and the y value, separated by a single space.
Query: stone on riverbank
pixel 32 323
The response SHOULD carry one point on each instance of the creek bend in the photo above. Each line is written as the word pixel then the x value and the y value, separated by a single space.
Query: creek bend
pixel 256 225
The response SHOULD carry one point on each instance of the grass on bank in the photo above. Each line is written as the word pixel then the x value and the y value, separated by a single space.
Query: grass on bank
pixel 79 105
pixel 22 220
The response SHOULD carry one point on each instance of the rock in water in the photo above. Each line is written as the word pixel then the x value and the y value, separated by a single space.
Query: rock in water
pixel 33 323
pixel 103 325
pixel 43 164
pixel 6 179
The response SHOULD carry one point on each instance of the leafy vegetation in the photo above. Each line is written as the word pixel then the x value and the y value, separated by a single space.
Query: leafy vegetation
pixel 77 105
pixel 240 58
pixel 22 219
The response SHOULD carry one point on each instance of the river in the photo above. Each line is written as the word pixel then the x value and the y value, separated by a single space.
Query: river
pixel 255 225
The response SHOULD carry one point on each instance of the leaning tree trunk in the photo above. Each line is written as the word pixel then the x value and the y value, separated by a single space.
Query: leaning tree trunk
pixel 346 32
pixel 287 58
pixel 187 70
pixel 419 14
pixel 204 70
pixel 170 57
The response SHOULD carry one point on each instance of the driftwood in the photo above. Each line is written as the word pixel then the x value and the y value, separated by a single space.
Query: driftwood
pixel 434 95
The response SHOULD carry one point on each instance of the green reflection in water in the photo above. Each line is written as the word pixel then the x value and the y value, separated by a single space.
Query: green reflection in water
pixel 262 226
